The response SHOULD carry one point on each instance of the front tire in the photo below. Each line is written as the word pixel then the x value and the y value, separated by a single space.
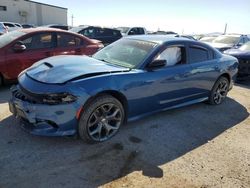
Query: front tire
pixel 219 91
pixel 101 119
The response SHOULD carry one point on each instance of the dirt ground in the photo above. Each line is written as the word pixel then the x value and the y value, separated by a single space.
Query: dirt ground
pixel 195 146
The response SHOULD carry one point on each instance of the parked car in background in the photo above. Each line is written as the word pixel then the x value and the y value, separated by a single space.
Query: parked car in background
pixel 225 42
pixel 188 37
pixel 28 26
pixel 132 30
pixel 106 35
pixel 3 29
pixel 208 38
pixel 126 80
pixel 58 26
pixel 243 55
pixel 12 26
pixel 164 33
pixel 20 49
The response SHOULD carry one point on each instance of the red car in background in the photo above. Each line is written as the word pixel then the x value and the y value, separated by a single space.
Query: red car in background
pixel 20 49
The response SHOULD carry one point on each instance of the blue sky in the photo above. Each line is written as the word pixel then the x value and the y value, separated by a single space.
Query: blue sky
pixel 188 16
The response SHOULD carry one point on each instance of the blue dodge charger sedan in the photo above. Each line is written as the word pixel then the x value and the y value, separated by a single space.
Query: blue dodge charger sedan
pixel 131 78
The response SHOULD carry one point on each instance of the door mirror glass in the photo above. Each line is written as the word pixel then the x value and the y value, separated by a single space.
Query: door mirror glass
pixel 19 47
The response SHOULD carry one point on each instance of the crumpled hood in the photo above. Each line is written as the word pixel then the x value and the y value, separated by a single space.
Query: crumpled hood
pixel 60 69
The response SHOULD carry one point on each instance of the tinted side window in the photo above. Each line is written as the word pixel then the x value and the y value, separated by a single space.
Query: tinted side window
pixel 89 32
pixel 104 32
pixel 116 33
pixel 9 24
pixel 39 41
pixel 198 54
pixel 174 55
pixel 133 31
pixel 65 40
pixel 141 30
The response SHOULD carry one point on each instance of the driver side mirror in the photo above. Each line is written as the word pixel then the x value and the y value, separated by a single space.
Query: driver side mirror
pixel 157 63
pixel 19 46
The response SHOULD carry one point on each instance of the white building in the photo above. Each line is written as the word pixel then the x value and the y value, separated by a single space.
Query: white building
pixel 26 11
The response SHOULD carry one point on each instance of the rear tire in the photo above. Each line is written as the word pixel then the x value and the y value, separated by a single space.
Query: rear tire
pixel 219 91
pixel 101 119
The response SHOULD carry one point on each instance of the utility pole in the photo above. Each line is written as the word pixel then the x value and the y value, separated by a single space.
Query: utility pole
pixel 225 30
pixel 72 20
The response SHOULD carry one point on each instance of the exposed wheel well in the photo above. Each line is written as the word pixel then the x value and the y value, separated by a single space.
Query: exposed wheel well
pixel 119 96
pixel 227 76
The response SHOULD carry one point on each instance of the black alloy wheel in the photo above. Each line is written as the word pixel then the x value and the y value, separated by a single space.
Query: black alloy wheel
pixel 219 91
pixel 101 120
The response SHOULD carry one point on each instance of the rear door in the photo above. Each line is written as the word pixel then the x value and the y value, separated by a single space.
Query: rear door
pixel 38 46
pixel 68 44
pixel 205 68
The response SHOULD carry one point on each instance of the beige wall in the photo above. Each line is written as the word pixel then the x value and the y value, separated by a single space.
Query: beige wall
pixel 37 14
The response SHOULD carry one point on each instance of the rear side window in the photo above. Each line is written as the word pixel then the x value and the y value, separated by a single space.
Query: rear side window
pixel 39 41
pixel 116 33
pixel 65 40
pixel 104 32
pixel 198 54
pixel 141 31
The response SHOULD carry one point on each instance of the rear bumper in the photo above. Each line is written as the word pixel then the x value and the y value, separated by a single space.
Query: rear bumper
pixel 43 119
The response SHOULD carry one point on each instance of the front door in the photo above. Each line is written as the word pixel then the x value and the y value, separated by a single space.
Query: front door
pixel 38 46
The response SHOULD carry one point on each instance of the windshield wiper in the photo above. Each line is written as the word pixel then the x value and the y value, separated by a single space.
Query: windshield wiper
pixel 104 60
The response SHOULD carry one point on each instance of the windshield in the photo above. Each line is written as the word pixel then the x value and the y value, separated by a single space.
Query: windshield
pixel 9 37
pixel 245 47
pixel 76 29
pixel 123 29
pixel 125 52
pixel 227 39
pixel 207 39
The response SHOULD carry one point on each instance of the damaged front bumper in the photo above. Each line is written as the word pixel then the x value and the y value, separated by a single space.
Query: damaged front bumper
pixel 44 119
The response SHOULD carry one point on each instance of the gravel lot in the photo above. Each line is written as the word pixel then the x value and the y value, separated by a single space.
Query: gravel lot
pixel 196 146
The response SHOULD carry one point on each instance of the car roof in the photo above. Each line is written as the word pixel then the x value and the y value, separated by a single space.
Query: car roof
pixel 92 26
pixel 38 29
pixel 158 38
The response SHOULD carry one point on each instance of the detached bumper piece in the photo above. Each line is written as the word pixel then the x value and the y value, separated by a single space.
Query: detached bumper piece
pixel 42 119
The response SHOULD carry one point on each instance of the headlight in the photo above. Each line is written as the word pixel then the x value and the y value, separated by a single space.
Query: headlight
pixel 59 98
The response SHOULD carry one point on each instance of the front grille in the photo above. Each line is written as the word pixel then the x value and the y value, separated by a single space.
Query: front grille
pixel 244 67
pixel 17 93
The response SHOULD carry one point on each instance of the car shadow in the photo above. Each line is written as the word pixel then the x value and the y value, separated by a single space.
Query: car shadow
pixel 244 84
pixel 4 93
pixel 142 145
